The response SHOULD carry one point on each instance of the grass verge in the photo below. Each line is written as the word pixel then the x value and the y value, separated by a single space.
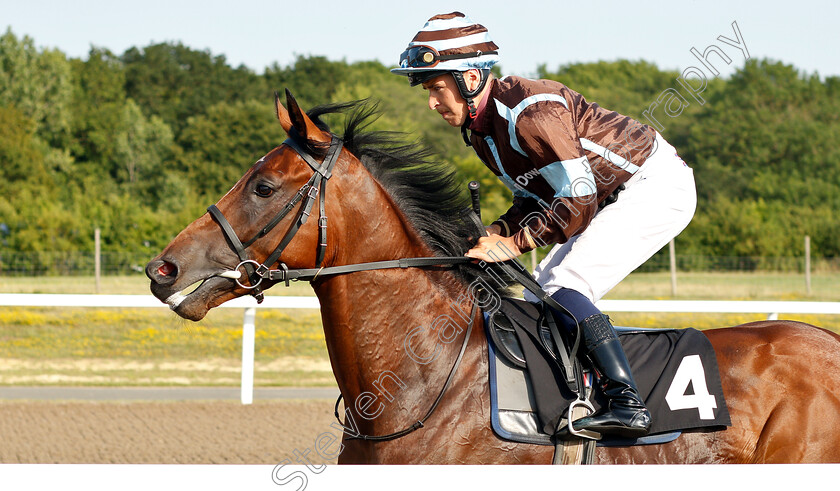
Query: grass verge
pixel 83 346
pixel 141 347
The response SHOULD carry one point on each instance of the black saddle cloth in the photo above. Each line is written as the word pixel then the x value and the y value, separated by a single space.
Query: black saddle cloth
pixel 675 370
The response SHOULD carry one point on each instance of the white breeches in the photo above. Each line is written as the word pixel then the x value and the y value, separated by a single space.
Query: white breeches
pixel 657 204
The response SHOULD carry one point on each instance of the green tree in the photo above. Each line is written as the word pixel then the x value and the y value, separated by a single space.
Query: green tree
pixel 312 80
pixel 37 83
pixel 175 82
pixel 624 86
pixel 222 144
pixel 770 135
pixel 27 197
pixel 97 105
pixel 142 146
pixel 20 152
pixel 139 144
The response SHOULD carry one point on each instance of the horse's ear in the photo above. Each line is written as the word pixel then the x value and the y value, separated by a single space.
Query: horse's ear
pixel 301 122
pixel 282 114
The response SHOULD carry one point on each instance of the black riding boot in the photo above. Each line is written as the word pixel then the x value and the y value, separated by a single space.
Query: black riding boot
pixel 625 414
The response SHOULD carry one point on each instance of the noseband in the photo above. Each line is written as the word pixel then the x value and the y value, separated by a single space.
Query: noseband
pixel 314 189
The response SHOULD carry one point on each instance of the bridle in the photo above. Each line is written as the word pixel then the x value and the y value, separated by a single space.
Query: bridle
pixel 315 188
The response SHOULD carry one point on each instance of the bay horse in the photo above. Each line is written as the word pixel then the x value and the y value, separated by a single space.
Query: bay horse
pixel 407 344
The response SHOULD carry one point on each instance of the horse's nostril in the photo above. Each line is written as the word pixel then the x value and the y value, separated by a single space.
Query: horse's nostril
pixel 166 269
pixel 162 272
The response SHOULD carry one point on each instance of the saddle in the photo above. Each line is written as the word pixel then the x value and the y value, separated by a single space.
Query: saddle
pixel 547 383
pixel 536 375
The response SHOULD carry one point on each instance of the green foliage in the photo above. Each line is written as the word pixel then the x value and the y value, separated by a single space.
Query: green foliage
pixel 313 80
pixel 175 82
pixel 622 86
pixel 220 145
pixel 141 147
pixel 37 84
pixel 138 144
pixel 768 142
pixel 97 105
pixel 20 152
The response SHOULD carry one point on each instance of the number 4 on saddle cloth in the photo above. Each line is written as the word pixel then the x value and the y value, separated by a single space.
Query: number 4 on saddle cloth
pixel 675 369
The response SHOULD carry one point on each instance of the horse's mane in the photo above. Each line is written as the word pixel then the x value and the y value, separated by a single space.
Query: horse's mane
pixel 427 191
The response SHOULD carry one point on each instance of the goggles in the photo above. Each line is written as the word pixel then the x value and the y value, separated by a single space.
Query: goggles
pixel 427 57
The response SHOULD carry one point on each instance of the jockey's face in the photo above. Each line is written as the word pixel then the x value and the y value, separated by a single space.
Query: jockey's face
pixel 446 99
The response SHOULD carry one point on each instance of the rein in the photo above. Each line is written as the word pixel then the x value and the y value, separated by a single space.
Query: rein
pixel 315 188
pixel 353 434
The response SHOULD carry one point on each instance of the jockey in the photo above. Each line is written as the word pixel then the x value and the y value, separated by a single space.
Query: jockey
pixel 565 160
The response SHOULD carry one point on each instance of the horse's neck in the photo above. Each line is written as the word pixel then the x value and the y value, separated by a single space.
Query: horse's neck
pixel 394 330
pixel 392 338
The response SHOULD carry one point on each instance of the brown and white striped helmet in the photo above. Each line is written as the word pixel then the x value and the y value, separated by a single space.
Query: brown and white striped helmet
pixel 448 42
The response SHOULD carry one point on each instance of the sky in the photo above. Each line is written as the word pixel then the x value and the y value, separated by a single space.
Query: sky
pixel 258 33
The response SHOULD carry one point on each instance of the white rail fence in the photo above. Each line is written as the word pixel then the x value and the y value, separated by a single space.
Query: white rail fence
pixel 770 308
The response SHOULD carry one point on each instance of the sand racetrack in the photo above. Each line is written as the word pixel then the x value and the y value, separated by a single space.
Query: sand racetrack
pixel 184 432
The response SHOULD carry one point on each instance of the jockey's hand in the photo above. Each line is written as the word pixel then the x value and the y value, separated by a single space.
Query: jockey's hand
pixel 494 248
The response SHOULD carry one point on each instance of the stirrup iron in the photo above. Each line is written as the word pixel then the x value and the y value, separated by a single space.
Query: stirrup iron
pixel 587 434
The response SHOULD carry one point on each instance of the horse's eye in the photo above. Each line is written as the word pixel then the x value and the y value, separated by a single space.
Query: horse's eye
pixel 263 190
